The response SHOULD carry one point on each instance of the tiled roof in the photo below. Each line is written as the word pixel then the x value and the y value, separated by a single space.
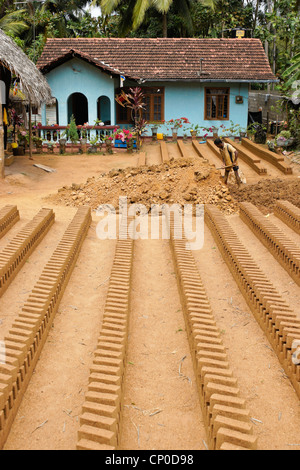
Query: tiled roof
pixel 166 59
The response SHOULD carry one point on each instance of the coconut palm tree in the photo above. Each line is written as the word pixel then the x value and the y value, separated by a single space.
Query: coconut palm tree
pixel 12 24
pixel 137 9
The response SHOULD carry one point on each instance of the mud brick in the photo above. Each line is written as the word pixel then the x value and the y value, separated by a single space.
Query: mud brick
pixel 6 379
pixel 108 370
pixel 226 400
pixel 108 354
pixel 208 362
pixel 209 339
pixel 203 354
pixel 107 361
pixel 109 399
pixel 229 447
pixel 113 340
pixel 107 379
pixel 216 372
pixel 101 436
pixel 204 318
pixel 236 438
pixel 10 370
pixel 116 322
pixel 209 329
pixel 87 445
pixel 219 379
pixel 210 347
pixel 231 423
pixel 114 327
pixel 214 388
pixel 105 388
pixel 110 345
pixel 115 335
pixel 97 421
pixel 115 308
pixel 240 414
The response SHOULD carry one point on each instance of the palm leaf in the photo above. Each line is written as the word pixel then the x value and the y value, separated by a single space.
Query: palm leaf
pixel 162 6
pixel 139 11
pixel 108 6
pixel 12 23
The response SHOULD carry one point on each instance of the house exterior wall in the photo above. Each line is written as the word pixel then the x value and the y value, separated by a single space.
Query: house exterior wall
pixel 188 100
pixel 77 76
pixel 181 99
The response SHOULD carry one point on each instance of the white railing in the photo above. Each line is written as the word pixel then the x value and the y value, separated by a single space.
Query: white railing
pixel 53 134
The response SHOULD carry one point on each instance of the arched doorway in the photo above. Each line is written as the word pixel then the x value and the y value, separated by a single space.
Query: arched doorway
pixel 78 106
pixel 103 110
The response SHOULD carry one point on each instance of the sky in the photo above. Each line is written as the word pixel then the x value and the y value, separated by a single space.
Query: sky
pixel 95 11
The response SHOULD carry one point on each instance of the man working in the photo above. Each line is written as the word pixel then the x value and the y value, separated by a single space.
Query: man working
pixel 230 156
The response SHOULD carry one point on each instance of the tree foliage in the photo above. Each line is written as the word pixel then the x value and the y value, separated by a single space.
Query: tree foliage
pixel 275 22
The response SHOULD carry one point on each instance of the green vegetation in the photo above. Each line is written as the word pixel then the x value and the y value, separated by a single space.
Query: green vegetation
pixel 275 22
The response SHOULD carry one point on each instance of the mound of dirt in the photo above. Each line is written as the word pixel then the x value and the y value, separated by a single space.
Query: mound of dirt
pixel 266 193
pixel 179 181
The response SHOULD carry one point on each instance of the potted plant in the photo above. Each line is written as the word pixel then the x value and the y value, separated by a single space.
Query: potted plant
pixel 154 128
pixel 176 124
pixel 284 139
pixel 258 132
pixel 38 143
pixel 72 131
pixel 108 139
pixel 93 144
pixel 243 132
pixel 194 131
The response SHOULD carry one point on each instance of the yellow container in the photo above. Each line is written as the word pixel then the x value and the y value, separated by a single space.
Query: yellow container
pixel 160 136
pixel 14 146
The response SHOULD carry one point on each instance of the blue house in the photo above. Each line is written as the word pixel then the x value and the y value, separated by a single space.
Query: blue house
pixel 205 80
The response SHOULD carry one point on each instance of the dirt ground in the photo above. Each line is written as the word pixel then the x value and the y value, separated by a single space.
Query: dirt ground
pixel 161 408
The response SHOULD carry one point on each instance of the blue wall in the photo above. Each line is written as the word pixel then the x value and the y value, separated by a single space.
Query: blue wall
pixel 187 100
pixel 77 76
pixel 181 99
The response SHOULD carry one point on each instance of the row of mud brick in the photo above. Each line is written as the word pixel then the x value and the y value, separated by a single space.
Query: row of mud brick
pixel 279 322
pixel 18 250
pixel 289 214
pixel 226 417
pixel 9 215
pixel 28 333
pixel 101 417
pixel 284 250
pixel 265 154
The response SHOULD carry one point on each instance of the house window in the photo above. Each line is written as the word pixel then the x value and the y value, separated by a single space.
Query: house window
pixel 154 107
pixel 217 104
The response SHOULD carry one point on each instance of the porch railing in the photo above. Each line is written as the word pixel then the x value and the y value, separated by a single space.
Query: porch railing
pixel 52 134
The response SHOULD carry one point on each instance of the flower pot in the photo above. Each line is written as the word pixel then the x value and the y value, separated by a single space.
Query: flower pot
pixel 154 133
pixel 194 134
pixel 174 133
pixel 19 151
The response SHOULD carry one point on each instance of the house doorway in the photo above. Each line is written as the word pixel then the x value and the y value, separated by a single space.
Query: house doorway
pixel 103 110
pixel 78 106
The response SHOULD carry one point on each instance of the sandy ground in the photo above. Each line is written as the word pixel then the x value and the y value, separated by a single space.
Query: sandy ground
pixel 157 347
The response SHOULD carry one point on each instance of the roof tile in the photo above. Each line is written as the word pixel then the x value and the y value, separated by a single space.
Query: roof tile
pixel 165 58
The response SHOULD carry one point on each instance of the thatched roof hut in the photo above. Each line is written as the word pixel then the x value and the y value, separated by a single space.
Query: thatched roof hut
pixel 15 63
pixel 32 82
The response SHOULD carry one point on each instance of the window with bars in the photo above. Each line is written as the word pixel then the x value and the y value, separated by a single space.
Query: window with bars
pixel 154 107
pixel 217 104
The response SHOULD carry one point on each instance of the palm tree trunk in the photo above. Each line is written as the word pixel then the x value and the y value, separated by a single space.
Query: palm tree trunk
pixel 256 15
pixel 165 25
